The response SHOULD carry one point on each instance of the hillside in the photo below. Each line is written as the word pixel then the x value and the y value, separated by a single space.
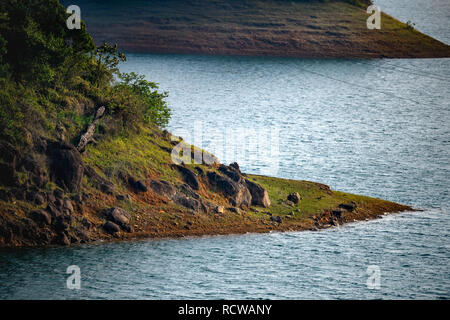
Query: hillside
pixel 128 188
pixel 319 29
pixel 84 155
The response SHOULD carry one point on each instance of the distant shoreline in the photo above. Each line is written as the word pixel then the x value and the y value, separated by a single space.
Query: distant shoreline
pixel 264 28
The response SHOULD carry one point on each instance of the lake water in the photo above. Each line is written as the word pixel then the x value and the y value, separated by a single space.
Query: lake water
pixel 377 127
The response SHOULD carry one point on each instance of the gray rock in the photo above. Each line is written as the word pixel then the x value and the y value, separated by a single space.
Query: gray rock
pixel 237 193
pixel 187 190
pixel 111 227
pixel 163 188
pixel 187 202
pixel 209 159
pixel 118 216
pixel 260 196
pixel 294 197
pixel 232 172
pixel 66 165
pixel 189 177
pixel 140 186
pixel 289 203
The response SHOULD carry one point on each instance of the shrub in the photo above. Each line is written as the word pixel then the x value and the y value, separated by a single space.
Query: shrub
pixel 154 108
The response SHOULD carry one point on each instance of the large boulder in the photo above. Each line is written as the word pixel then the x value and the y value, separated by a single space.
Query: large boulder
pixel 163 188
pixel 232 171
pixel 187 202
pixel 66 165
pixel 186 197
pixel 140 186
pixel 189 177
pixel 187 190
pixel 260 196
pixel 111 227
pixel 119 217
pixel 237 192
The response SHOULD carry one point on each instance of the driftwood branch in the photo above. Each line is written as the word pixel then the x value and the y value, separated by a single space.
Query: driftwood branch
pixel 88 136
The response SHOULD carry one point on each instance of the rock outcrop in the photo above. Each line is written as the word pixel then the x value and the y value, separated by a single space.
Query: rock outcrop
pixel 237 192
pixel 260 196
pixel 120 217
pixel 240 191
pixel 66 165
pixel 189 177
pixel 185 197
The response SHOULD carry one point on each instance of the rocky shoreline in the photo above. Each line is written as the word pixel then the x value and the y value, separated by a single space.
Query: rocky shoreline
pixel 206 199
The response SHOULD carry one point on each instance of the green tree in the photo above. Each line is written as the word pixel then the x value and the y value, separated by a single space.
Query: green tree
pixel 140 100
pixel 107 58
pixel 38 42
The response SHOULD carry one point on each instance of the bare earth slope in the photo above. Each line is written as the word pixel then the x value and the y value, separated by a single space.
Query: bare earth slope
pixel 331 29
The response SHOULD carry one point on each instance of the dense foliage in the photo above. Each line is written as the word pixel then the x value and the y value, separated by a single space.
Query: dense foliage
pixel 53 77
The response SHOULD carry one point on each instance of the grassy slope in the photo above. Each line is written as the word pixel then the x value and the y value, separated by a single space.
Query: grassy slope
pixel 275 28
pixel 146 154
